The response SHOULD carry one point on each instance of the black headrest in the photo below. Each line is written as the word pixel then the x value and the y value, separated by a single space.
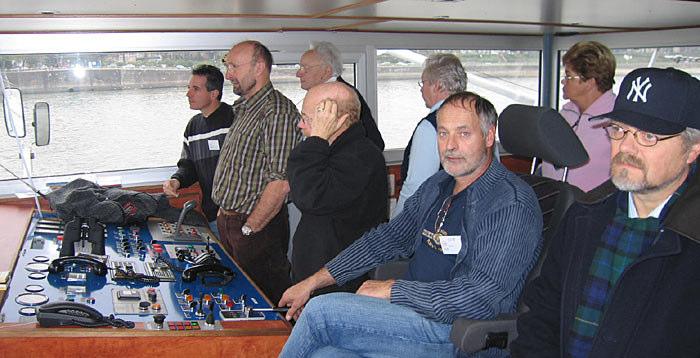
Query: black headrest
pixel 541 132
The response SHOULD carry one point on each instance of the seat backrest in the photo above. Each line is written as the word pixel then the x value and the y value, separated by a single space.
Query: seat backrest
pixel 540 132
pixel 554 197
pixel 543 133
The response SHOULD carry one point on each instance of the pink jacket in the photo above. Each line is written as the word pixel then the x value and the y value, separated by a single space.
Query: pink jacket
pixel 594 139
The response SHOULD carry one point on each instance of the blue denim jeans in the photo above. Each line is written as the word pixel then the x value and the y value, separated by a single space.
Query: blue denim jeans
pixel 350 325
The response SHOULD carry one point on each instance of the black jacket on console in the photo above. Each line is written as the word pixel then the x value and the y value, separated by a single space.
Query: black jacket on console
pixel 654 309
pixel 341 191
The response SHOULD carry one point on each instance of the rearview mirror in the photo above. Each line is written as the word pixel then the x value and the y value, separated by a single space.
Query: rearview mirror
pixel 14 113
pixel 42 124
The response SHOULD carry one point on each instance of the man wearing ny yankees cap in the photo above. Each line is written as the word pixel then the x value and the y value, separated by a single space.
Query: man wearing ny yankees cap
pixel 622 277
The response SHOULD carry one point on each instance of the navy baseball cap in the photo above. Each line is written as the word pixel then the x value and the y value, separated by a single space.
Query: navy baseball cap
pixel 659 101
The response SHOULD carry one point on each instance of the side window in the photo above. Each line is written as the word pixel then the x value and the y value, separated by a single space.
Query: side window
pixel 685 58
pixel 501 76
pixel 116 111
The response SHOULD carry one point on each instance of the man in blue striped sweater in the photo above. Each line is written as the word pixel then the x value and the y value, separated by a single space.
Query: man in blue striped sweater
pixel 472 232
pixel 204 135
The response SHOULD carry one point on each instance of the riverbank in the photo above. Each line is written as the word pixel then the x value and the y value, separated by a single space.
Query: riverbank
pixel 114 79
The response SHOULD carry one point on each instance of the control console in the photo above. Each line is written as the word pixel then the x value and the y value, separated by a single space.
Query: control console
pixel 115 275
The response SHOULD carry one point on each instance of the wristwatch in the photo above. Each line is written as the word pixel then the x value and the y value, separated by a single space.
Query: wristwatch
pixel 246 230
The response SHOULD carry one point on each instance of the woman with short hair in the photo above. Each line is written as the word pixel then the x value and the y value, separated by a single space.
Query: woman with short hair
pixel 587 83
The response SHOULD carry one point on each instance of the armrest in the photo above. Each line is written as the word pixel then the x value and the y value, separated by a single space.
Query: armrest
pixel 471 336
pixel 389 270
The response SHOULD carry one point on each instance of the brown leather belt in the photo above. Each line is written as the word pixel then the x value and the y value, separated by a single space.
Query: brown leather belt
pixel 231 213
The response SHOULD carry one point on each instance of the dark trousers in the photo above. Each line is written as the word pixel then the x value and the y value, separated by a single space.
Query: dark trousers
pixel 262 255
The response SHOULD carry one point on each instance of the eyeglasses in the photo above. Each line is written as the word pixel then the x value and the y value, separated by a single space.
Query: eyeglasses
pixel 233 66
pixel 421 83
pixel 644 139
pixel 569 78
pixel 307 67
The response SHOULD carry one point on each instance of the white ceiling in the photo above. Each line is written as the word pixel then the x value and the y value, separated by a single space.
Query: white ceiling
pixel 526 17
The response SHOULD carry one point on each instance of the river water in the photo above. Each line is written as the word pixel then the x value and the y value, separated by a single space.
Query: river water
pixel 142 128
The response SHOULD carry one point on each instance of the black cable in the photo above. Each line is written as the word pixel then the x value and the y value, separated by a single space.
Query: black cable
pixel 118 322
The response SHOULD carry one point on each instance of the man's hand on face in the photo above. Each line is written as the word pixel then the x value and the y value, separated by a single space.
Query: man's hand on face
pixel 377 289
pixel 326 121
pixel 170 187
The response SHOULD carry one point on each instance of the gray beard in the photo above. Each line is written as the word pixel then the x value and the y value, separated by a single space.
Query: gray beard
pixel 642 187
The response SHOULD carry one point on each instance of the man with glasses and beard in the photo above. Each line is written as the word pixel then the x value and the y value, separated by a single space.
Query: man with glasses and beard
pixel 621 278
pixel 250 182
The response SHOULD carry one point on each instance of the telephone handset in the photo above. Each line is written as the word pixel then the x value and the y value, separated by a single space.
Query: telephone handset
pixel 97 266
pixel 66 313
pixel 209 270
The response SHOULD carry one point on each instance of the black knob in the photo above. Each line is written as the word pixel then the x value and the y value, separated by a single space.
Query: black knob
pixel 159 318
pixel 144 305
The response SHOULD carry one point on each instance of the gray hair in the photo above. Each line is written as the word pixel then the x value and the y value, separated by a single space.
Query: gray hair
pixel 482 107
pixel 447 70
pixel 329 54
pixel 690 136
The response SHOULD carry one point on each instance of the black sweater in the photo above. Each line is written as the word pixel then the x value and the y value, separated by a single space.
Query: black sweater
pixel 341 191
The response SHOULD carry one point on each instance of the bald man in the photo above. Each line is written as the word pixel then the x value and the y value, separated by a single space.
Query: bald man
pixel 338 180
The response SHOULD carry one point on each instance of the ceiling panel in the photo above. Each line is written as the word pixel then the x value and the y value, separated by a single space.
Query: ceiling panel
pixel 160 24
pixel 467 16
pixel 287 7
pixel 460 28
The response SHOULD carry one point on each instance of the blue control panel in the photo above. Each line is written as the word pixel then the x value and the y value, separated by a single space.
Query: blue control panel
pixel 151 270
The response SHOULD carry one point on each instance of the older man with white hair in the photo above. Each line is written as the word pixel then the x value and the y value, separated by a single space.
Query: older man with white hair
pixel 442 76
pixel 323 63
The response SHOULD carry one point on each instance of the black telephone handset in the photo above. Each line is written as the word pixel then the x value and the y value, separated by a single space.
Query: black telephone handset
pixel 217 270
pixel 97 266
pixel 66 313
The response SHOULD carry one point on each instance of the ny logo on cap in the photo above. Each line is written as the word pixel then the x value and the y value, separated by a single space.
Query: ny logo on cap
pixel 639 89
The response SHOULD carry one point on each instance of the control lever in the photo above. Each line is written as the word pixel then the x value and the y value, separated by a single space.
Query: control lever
pixel 248 310
pixel 210 317
pixel 200 311
pixel 185 209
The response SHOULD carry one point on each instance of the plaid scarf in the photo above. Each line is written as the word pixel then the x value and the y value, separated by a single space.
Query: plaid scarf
pixel 622 242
